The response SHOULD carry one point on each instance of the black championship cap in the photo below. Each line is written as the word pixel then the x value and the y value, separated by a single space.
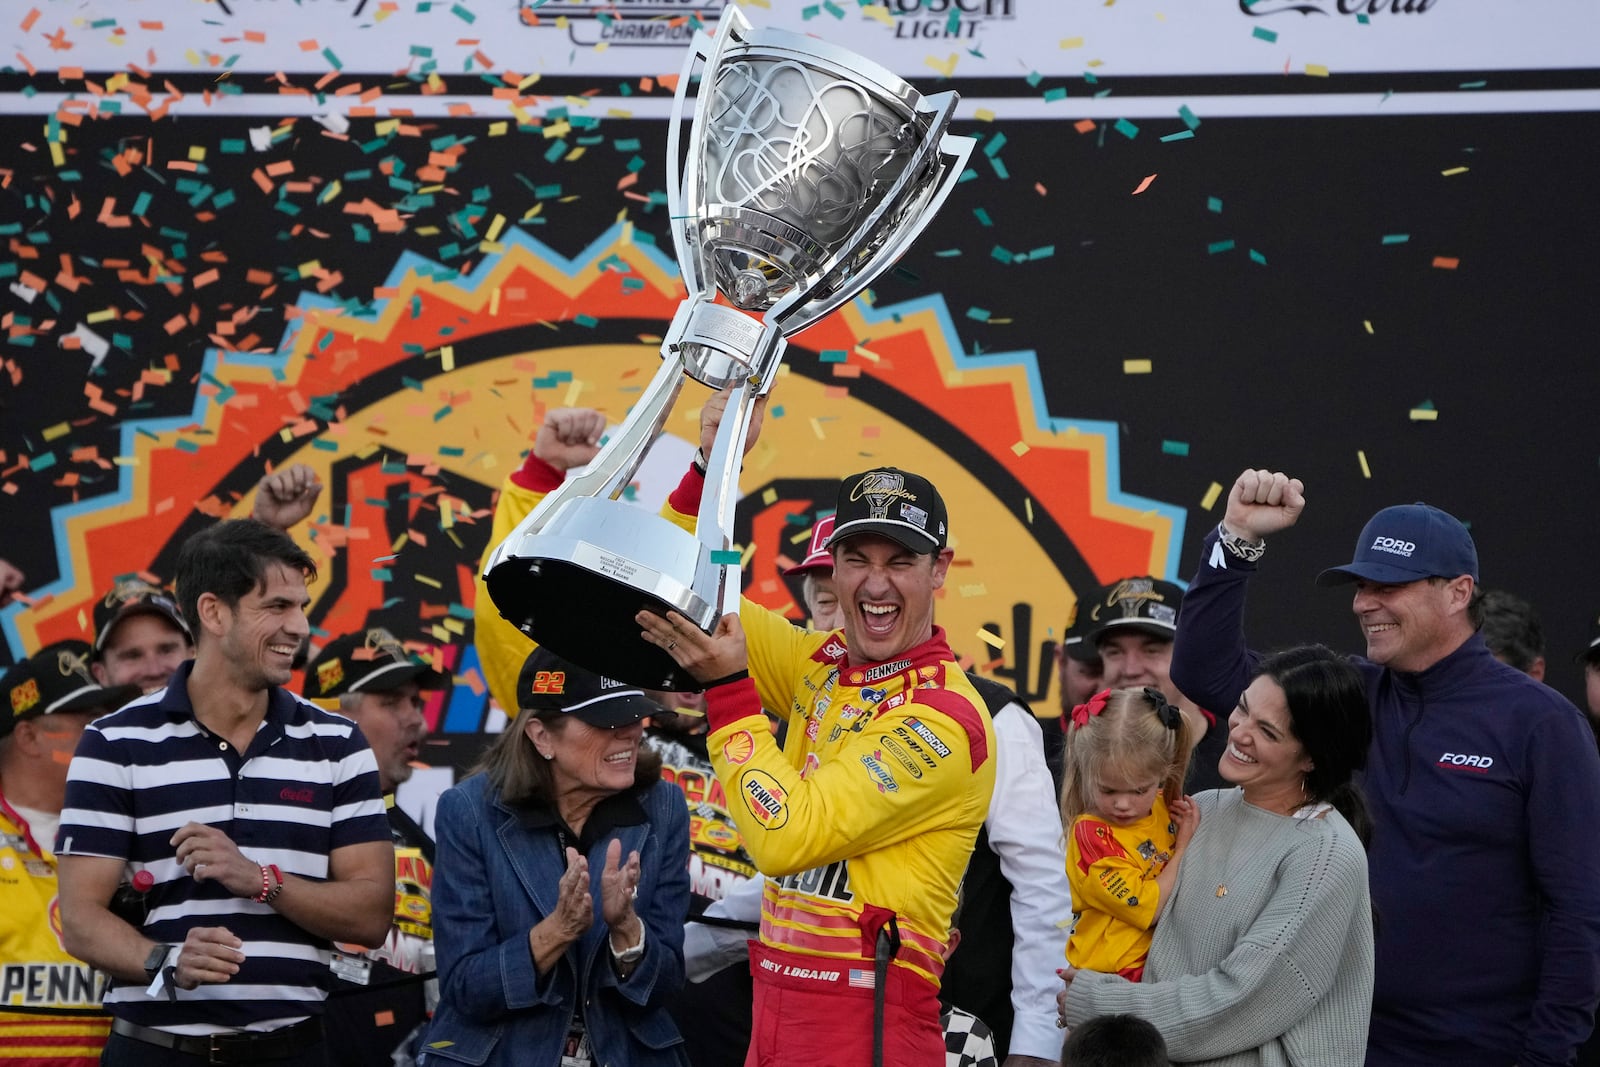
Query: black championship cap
pixel 550 687
pixel 135 596
pixel 367 661
pixel 892 503
pixel 57 678
pixel 1141 605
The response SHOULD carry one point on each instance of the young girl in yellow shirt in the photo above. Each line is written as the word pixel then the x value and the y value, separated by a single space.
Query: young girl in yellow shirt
pixel 1127 822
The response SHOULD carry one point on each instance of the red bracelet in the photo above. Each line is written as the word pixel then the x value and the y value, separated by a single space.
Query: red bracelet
pixel 271 884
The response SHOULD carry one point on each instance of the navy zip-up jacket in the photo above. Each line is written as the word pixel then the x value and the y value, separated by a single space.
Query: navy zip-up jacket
pixel 1484 787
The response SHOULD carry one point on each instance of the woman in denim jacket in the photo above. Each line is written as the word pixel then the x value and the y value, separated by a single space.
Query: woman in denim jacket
pixel 561 887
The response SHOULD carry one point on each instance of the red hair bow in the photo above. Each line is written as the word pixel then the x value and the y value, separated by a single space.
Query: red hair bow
pixel 1097 704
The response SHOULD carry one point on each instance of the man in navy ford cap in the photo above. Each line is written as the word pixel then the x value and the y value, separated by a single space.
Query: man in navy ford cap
pixel 1482 784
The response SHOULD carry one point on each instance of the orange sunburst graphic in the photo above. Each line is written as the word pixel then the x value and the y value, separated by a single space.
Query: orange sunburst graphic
pixel 414 410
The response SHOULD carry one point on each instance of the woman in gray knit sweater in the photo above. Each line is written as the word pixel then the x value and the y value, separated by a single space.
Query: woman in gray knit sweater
pixel 1263 956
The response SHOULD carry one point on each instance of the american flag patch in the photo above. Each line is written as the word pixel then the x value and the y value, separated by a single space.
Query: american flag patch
pixel 860 979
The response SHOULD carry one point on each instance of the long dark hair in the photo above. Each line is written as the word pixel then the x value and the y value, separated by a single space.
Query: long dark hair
pixel 1329 715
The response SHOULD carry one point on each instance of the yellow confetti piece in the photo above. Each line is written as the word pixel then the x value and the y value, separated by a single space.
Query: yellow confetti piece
pixel 557 130
pixel 125 461
pixel 618 113
pixel 947 68
pixel 1020 448
pixel 974 590
pixel 60 429
pixel 309 268
pixel 58 155
pixel 872 11
pixel 447 357
pixel 369 451
pixel 447 517
pixel 769 498
pixel 994 641
pixel 498 129
pixel 1366 471
pixel 494 301
pixel 440 633
pixel 1027 509
pixel 816 428
pixel 385 127
pixel 197 153
pixel 1209 501
pixel 426 231
pixel 331 192
pixel 1317 70
pixel 1072 42
pixel 495 227
pixel 746 553
pixel 1453 171
pixel 432 583
pixel 456 626
pixel 862 351
pixel 983 114
pixel 532 79
pixel 573 390
pixel 492 246
pixel 1136 366
pixel 1368 324
pixel 1424 415
pixel 103 315
pixel 794 539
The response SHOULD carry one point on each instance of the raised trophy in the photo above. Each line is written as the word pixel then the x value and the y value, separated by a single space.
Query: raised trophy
pixel 809 171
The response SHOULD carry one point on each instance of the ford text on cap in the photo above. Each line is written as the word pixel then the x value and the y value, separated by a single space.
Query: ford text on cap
pixel 892 503
pixel 1406 543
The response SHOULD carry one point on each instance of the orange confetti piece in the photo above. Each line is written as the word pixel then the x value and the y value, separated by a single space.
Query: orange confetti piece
pixel 1446 262
pixel 1144 184
pixel 29 19
pixel 1084 125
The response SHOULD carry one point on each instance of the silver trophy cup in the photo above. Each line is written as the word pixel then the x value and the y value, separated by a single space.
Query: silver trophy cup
pixel 809 171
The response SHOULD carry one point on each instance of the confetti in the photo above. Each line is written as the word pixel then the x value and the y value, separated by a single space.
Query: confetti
pixel 1213 492
pixel 1146 183
pixel 1136 366
pixel 1366 471
pixel 993 640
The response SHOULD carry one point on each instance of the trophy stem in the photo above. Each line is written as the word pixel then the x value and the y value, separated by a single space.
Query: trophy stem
pixel 721 496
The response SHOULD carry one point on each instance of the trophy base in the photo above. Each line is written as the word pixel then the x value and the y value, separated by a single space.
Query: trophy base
pixel 576 586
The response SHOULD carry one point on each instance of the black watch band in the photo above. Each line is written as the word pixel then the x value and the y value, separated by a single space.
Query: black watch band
pixel 154 961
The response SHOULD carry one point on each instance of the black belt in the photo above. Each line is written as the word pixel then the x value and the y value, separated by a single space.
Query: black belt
pixel 239 1046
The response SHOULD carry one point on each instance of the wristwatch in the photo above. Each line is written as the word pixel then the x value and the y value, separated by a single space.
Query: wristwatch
pixel 156 960
pixel 633 953
pixel 1249 551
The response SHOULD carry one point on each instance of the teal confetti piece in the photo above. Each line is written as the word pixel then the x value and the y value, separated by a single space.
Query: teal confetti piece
pixel 997 142
pixel 1364 20
pixel 943 253
pixel 1126 128
pixel 555 151
pixel 636 164
pixel 982 215
pixel 632 285
pixel 48 460
pixel 1396 238
pixel 833 9
pixel 833 355
pixel 1214 204
pixel 1052 95
pixel 1257 257
pixel 1089 77
pixel 1002 255
pixel 1175 448
pixel 1472 85
pixel 452 450
pixel 632 144
pixel 333 60
pixel 978 314
pixel 726 557
pixel 1220 246
pixel 999 166
pixel 421 51
pixel 322 444
pixel 141 204
pixel 588 321
pixel 441 413
pixel 463 14
pixel 775 411
pixel 1034 77
pixel 1261 33
pixel 1190 119
pixel 382 574
pixel 1042 252
pixel 1181 135
pixel 183 446
pixel 810 12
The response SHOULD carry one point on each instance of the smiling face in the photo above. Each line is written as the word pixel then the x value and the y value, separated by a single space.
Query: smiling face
pixel 394 727
pixel 885 594
pixel 1263 755
pixel 1411 627
pixel 257 638
pixel 1133 659
pixel 1079 680
pixel 143 650
pixel 586 762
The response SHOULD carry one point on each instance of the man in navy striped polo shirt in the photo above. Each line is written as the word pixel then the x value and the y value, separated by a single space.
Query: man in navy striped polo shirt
pixel 250 820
